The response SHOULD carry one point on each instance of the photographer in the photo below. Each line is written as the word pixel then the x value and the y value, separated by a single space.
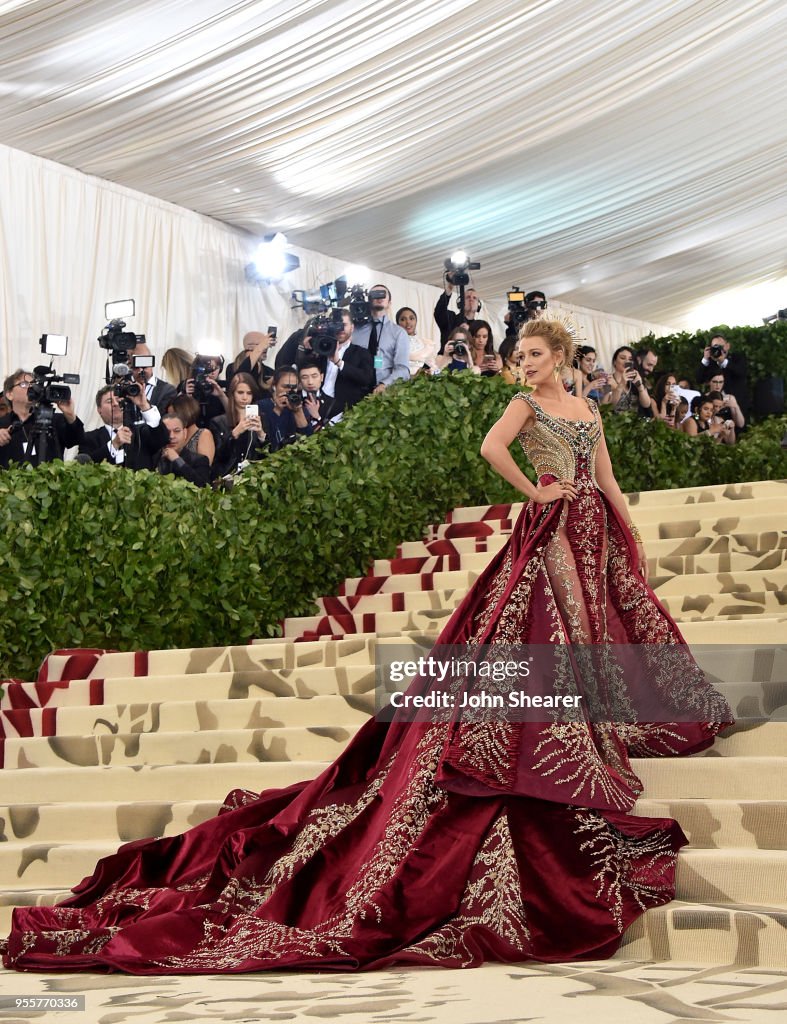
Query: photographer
pixel 21 434
pixel 175 460
pixel 316 404
pixel 728 409
pixel 388 344
pixel 203 386
pixel 445 318
pixel 135 447
pixel 628 390
pixel 349 369
pixel 157 392
pixel 457 354
pixel 717 358
pixel 239 434
pixel 251 360
pixel 283 418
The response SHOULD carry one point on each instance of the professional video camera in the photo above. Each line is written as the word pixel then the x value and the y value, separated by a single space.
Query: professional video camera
pixel 323 332
pixel 456 268
pixel 47 389
pixel 321 300
pixel 361 303
pixel 119 371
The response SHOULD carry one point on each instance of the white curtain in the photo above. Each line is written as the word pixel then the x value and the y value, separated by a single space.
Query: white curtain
pixel 70 242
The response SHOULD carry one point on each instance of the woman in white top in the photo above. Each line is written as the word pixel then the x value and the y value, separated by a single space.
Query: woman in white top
pixel 423 352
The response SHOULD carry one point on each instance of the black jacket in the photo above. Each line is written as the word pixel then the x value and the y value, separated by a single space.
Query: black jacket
pixel 188 466
pixel 354 381
pixel 446 319
pixel 145 445
pixel 230 451
pixel 162 394
pixel 22 449
pixel 736 377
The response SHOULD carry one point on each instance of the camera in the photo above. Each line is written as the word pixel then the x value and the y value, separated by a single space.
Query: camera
pixel 48 387
pixel 293 397
pixel 321 300
pixel 123 384
pixel 115 339
pixel 457 266
pixel 361 303
pixel 461 350
pixel 716 351
pixel 725 413
pixel 324 331
pixel 203 386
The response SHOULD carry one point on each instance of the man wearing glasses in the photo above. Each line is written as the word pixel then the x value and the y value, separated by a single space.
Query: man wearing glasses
pixel 21 436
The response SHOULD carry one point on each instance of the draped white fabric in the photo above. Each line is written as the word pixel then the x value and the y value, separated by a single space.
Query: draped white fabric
pixel 624 155
pixel 70 242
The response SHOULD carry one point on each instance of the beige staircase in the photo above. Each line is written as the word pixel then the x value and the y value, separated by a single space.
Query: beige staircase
pixel 121 756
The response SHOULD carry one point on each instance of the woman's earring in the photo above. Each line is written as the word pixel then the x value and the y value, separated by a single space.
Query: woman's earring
pixel 556 371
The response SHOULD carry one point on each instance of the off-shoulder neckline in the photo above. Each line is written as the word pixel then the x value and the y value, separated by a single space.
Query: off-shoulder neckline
pixel 563 419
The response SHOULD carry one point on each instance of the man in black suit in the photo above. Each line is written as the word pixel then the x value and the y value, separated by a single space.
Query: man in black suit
pixel 175 459
pixel 349 371
pixel 157 392
pixel 133 447
pixel 718 358
pixel 22 439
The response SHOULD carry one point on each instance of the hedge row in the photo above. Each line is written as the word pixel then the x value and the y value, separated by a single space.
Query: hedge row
pixel 765 349
pixel 94 556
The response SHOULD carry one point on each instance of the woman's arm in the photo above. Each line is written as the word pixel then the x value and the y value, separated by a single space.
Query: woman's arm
pixel 605 477
pixel 206 446
pixel 495 447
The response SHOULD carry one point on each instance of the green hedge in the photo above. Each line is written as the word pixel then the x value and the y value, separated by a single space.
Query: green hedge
pixel 765 349
pixel 94 556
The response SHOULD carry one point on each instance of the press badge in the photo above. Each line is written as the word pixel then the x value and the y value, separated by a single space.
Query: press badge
pixel 378 362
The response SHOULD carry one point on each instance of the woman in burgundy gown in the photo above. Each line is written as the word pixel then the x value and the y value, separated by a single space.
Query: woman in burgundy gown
pixel 446 842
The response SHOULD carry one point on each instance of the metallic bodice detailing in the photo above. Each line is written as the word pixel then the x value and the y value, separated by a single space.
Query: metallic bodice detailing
pixel 563 448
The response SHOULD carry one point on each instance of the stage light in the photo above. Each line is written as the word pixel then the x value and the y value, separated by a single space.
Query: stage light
pixel 357 274
pixel 459 260
pixel 271 260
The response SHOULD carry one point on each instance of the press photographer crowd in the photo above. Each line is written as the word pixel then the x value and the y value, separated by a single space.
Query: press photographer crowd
pixel 193 417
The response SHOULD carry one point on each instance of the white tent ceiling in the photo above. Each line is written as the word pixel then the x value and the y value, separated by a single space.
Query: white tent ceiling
pixel 624 155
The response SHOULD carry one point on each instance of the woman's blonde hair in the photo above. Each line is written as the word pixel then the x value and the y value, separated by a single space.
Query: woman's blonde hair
pixel 554 333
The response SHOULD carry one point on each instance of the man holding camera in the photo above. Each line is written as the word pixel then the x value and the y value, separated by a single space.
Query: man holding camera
pixel 387 342
pixel 349 368
pixel 716 357
pixel 445 318
pixel 283 417
pixel 31 433
pixel 158 392
pixel 134 447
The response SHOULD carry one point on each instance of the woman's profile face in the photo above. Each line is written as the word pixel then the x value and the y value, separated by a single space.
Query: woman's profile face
pixel 408 321
pixel 705 410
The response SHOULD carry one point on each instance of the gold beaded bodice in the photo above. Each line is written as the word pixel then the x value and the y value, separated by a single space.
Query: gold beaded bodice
pixel 564 448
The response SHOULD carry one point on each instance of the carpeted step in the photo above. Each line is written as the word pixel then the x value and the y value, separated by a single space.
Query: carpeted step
pixel 353 683
pixel 119 822
pixel 707 933
pixel 242 746
pixel 713 778
pixel 181 782
pixel 196 715
pixel 26 898
pixel 642 513
pixel 724 824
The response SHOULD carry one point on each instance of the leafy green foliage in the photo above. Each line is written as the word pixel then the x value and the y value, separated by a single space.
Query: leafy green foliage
pixel 94 556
